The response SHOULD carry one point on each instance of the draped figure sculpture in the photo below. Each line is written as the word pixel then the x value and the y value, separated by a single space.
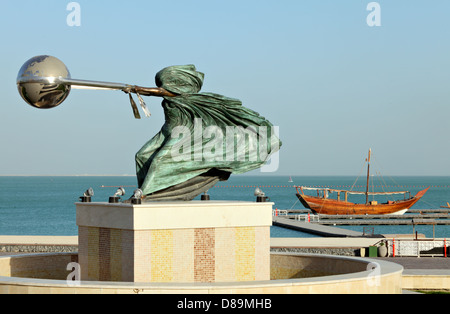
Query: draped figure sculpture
pixel 206 138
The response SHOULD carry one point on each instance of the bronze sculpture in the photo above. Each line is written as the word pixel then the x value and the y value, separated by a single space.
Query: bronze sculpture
pixel 206 137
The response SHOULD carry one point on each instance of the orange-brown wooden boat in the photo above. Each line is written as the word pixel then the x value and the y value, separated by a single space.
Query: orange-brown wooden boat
pixel 325 206
pixel 322 204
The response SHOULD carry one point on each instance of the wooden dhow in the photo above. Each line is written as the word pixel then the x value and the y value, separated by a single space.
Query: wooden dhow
pixel 322 204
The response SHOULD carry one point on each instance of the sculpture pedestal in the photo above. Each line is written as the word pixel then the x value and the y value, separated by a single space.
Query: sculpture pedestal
pixel 209 241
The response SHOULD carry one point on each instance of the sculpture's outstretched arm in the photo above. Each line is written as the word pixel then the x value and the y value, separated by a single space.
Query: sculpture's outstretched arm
pixel 152 91
pixel 145 91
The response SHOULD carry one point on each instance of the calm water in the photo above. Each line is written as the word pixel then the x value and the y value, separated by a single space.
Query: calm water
pixel 45 205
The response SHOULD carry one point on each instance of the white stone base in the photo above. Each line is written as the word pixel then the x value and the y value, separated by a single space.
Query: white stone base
pixel 197 241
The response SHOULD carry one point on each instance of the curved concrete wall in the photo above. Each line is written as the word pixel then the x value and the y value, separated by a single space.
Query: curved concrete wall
pixel 290 273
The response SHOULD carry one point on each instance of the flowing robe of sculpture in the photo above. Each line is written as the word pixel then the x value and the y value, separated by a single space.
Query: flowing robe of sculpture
pixel 206 138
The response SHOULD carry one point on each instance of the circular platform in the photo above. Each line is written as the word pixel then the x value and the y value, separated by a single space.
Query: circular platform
pixel 290 273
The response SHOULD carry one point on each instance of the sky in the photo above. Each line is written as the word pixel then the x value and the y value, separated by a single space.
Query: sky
pixel 334 85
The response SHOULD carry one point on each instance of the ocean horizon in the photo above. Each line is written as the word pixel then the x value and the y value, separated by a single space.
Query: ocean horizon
pixel 45 205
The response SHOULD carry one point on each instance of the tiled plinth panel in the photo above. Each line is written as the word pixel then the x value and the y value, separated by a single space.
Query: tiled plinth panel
pixel 175 242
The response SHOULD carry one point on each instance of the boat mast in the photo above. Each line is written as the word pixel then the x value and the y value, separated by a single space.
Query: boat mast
pixel 368 176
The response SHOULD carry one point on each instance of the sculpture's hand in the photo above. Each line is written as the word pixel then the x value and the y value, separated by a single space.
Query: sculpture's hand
pixel 133 89
pixel 148 91
pixel 129 89
pixel 152 91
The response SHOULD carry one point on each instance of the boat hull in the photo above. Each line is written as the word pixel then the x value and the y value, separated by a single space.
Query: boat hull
pixel 319 205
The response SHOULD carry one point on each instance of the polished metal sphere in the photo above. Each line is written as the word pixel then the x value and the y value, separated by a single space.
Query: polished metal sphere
pixel 38 82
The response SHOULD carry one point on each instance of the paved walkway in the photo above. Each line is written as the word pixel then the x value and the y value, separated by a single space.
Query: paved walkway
pixel 422 263
pixel 324 242
pixel 321 230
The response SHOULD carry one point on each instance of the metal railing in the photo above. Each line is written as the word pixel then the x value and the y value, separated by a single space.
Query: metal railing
pixel 280 212
pixel 418 248
pixel 298 217
pixel 307 218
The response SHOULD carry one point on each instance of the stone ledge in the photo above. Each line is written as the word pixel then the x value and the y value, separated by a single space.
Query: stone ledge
pixel 37 248
pixel 344 251
pixel 174 215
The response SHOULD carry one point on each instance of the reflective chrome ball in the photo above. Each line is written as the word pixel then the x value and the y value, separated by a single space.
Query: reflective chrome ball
pixel 38 85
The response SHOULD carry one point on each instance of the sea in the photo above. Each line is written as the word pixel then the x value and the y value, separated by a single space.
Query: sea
pixel 45 205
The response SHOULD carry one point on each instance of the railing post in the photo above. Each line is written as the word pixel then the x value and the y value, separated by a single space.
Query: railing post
pixel 418 249
pixel 393 247
pixel 445 247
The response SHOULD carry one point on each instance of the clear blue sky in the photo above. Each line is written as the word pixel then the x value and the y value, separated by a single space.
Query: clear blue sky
pixel 334 85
